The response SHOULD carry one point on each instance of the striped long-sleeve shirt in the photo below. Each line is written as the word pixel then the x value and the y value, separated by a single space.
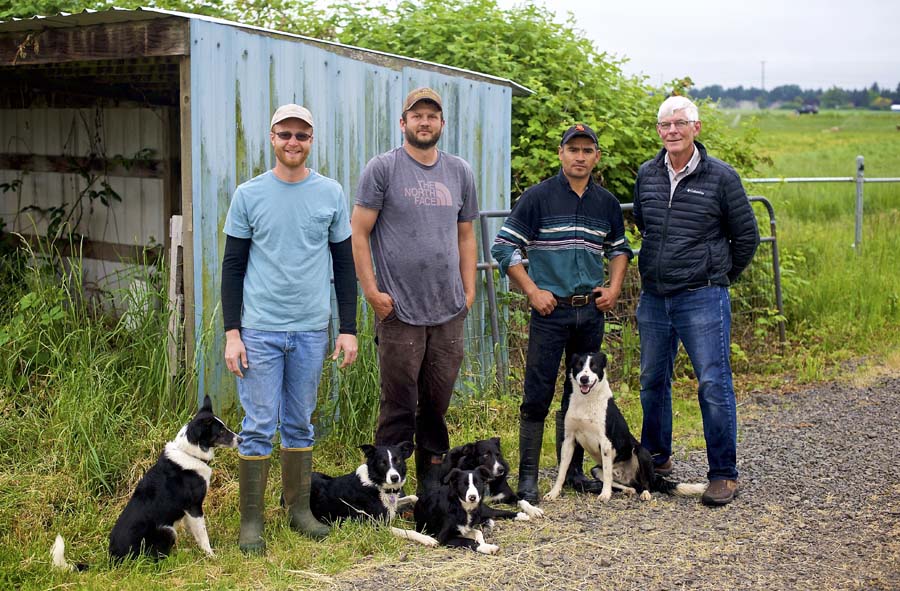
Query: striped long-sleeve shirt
pixel 566 236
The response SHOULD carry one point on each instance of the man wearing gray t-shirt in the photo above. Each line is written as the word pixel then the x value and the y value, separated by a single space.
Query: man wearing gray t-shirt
pixel 417 205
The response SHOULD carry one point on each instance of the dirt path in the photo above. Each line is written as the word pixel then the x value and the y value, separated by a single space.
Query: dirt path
pixel 819 509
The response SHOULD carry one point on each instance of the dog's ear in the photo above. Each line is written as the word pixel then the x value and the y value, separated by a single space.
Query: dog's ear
pixel 207 403
pixel 483 472
pixel 367 450
pixel 406 449
pixel 496 441
pixel 455 456
pixel 601 360
pixel 452 475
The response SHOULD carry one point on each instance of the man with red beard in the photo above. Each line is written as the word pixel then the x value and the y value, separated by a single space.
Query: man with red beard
pixel 287 231
pixel 414 211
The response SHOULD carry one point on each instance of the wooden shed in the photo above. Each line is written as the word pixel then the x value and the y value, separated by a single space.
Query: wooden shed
pixel 173 109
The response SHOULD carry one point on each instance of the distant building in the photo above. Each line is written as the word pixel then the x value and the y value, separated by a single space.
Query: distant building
pixel 895 108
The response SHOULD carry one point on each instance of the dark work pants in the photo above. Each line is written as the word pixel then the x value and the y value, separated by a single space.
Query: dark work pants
pixel 419 366
pixel 566 330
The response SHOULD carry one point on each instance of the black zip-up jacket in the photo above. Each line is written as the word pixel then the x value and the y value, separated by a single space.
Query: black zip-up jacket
pixel 705 235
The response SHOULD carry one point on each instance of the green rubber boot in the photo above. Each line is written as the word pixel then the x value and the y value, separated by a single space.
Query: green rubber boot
pixel 253 471
pixel 296 473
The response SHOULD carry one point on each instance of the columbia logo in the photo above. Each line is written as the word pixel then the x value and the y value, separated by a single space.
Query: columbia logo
pixel 695 191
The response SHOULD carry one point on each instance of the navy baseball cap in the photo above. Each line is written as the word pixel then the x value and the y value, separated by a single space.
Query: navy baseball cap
pixel 579 130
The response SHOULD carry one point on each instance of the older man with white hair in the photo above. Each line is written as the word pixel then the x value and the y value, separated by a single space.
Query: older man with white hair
pixel 699 234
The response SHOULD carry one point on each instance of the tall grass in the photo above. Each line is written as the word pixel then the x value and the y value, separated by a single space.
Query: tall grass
pixel 842 302
pixel 70 372
pixel 349 398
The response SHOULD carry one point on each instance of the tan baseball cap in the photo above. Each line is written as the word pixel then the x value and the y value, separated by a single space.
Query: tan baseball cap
pixel 292 111
pixel 421 94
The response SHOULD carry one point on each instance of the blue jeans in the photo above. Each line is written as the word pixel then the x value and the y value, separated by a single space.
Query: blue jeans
pixel 701 320
pixel 566 330
pixel 280 388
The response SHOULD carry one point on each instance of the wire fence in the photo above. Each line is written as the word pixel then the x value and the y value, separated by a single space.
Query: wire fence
pixel 497 327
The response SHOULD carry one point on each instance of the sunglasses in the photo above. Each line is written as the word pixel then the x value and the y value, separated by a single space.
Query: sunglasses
pixel 300 135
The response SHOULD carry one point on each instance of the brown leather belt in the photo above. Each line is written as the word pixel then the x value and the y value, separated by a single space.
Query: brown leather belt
pixel 575 301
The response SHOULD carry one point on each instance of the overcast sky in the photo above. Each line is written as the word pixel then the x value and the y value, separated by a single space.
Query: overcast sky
pixel 816 44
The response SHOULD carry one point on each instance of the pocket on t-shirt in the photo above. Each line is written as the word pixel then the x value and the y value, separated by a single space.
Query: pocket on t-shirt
pixel 316 227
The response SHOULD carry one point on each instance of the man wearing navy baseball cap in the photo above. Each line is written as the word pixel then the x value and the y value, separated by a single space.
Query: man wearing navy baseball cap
pixel 569 226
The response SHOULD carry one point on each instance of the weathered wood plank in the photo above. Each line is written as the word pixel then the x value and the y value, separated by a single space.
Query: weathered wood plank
pixel 142 168
pixel 187 225
pixel 102 251
pixel 176 297
pixel 157 37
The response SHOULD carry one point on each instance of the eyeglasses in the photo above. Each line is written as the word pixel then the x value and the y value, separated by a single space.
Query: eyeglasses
pixel 287 135
pixel 680 125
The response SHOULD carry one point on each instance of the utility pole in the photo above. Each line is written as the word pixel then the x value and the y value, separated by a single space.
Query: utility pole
pixel 763 83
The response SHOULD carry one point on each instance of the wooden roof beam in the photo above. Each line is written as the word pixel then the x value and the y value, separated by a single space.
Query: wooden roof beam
pixel 146 38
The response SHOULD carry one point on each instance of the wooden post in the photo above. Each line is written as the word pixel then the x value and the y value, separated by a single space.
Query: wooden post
pixel 187 211
pixel 176 295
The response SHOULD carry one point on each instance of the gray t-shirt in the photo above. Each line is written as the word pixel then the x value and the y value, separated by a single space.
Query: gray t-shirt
pixel 415 242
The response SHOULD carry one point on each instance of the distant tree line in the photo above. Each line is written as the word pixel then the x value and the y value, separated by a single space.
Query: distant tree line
pixel 791 96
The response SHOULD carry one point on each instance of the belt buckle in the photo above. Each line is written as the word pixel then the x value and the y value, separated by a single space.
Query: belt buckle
pixel 580 300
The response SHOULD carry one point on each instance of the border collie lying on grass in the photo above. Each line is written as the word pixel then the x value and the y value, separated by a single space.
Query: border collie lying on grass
pixel 487 453
pixel 453 512
pixel 372 491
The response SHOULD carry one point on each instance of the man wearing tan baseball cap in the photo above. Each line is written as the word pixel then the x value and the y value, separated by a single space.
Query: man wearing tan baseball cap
pixel 292 111
pixel 276 305
pixel 422 94
pixel 414 211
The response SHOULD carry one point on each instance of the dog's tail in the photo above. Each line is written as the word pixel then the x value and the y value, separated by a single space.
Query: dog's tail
pixel 679 489
pixel 58 557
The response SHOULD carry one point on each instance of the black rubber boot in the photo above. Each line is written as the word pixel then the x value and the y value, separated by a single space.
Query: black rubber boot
pixel 575 476
pixel 531 435
pixel 252 475
pixel 427 472
pixel 296 473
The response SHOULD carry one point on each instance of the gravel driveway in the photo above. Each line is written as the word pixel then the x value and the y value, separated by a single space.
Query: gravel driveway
pixel 819 508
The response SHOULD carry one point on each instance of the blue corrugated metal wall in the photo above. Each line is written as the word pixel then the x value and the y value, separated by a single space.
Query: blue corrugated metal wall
pixel 239 77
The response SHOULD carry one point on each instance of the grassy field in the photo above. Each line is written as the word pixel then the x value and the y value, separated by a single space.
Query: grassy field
pixel 841 302
pixel 85 407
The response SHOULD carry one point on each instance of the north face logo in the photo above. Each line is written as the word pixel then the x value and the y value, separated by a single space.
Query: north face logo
pixel 430 193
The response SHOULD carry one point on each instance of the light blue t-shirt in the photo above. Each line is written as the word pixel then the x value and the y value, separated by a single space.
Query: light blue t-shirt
pixel 288 282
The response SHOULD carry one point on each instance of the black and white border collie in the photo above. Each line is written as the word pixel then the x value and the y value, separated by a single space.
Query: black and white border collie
pixel 171 492
pixel 454 511
pixel 595 422
pixel 487 453
pixel 371 492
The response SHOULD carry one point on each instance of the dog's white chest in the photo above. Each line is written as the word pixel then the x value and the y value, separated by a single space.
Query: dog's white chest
pixel 390 500
pixel 187 461
pixel 586 416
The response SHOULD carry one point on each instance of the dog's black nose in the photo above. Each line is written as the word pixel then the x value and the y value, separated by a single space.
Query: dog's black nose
pixel 394 478
pixel 240 439
pixel 584 379
pixel 472 498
